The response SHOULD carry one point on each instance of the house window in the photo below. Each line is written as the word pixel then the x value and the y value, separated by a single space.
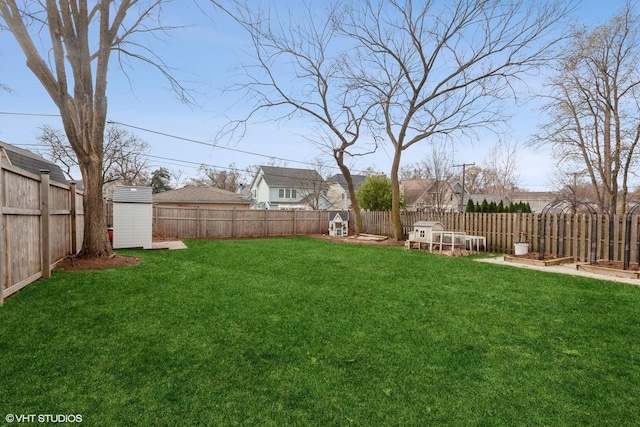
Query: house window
pixel 422 233
pixel 287 193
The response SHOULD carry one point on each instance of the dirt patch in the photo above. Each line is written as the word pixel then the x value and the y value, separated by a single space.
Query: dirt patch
pixel 536 255
pixel 354 240
pixel 80 263
pixel 616 265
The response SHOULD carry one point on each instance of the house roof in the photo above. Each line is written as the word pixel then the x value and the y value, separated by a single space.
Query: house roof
pixel 131 194
pixel 339 178
pixel 533 195
pixel 31 162
pixel 199 195
pixel 290 177
pixel 414 188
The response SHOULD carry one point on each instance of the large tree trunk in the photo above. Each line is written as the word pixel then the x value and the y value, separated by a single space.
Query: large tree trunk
pixel 398 234
pixel 96 241
pixel 355 206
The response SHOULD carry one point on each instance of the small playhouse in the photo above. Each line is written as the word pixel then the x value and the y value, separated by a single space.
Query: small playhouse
pixel 431 235
pixel 132 217
pixel 338 223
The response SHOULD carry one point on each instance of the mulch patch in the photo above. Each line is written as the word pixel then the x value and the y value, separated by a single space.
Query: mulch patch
pixel 80 263
pixel 535 255
pixel 616 265
pixel 353 240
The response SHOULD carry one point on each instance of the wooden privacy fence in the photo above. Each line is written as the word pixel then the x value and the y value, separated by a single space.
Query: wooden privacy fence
pixel 41 222
pixel 567 235
pixel 195 222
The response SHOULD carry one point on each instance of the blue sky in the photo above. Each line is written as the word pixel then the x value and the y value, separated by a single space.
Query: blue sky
pixel 205 56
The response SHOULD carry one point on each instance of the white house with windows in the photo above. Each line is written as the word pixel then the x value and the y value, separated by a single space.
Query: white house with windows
pixel 287 189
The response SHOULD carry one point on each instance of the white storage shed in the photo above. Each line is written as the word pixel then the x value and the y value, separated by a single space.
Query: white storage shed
pixel 132 217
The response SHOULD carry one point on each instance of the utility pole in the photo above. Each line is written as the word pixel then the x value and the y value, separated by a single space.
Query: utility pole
pixel 464 170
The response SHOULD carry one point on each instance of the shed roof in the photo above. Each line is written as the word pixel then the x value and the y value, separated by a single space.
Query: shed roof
pixel 342 215
pixel 427 223
pixel 199 195
pixel 132 194
pixel 32 162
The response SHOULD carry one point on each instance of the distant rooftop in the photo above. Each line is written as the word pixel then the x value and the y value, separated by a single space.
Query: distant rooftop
pixel 32 162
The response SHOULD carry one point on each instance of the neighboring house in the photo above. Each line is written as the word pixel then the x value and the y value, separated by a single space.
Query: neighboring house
pixel 107 189
pixel 30 162
pixel 429 195
pixel 338 193
pixel 204 197
pixel 288 188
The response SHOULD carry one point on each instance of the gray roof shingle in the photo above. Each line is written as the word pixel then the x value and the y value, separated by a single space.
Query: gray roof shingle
pixel 290 177
pixel 31 162
pixel 197 195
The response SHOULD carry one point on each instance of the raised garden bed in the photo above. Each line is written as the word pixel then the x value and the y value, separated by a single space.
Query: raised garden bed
pixel 532 259
pixel 611 268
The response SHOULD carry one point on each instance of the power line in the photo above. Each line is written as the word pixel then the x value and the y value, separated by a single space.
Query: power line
pixel 8 113
pixel 191 140
pixel 209 144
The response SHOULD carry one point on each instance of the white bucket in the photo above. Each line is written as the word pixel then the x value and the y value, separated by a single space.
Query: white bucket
pixel 521 248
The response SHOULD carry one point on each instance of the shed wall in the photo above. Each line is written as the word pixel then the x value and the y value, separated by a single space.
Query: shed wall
pixel 132 225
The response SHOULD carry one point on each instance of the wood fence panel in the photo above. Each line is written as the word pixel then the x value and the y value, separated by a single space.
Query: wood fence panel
pixel 60 221
pixel 31 205
pixel 22 257
pixel 215 224
pixel 311 222
pixel 250 223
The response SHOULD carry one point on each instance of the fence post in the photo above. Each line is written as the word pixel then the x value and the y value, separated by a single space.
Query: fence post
pixel 266 224
pixel 295 220
pixel 45 249
pixel 233 223
pixel 74 231
pixel 197 221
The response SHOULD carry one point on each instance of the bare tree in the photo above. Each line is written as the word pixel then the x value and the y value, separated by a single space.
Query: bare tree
pixel 125 155
pixel 298 68
pixel 594 122
pixel 58 149
pixel 476 179
pixel 440 68
pixel 439 166
pixel 501 169
pixel 573 185
pixel 228 178
pixel 76 77
pixel 413 171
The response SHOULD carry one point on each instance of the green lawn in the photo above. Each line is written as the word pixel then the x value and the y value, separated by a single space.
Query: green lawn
pixel 303 332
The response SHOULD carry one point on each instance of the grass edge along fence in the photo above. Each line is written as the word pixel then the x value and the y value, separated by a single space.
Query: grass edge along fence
pixel 566 235
pixel 41 222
